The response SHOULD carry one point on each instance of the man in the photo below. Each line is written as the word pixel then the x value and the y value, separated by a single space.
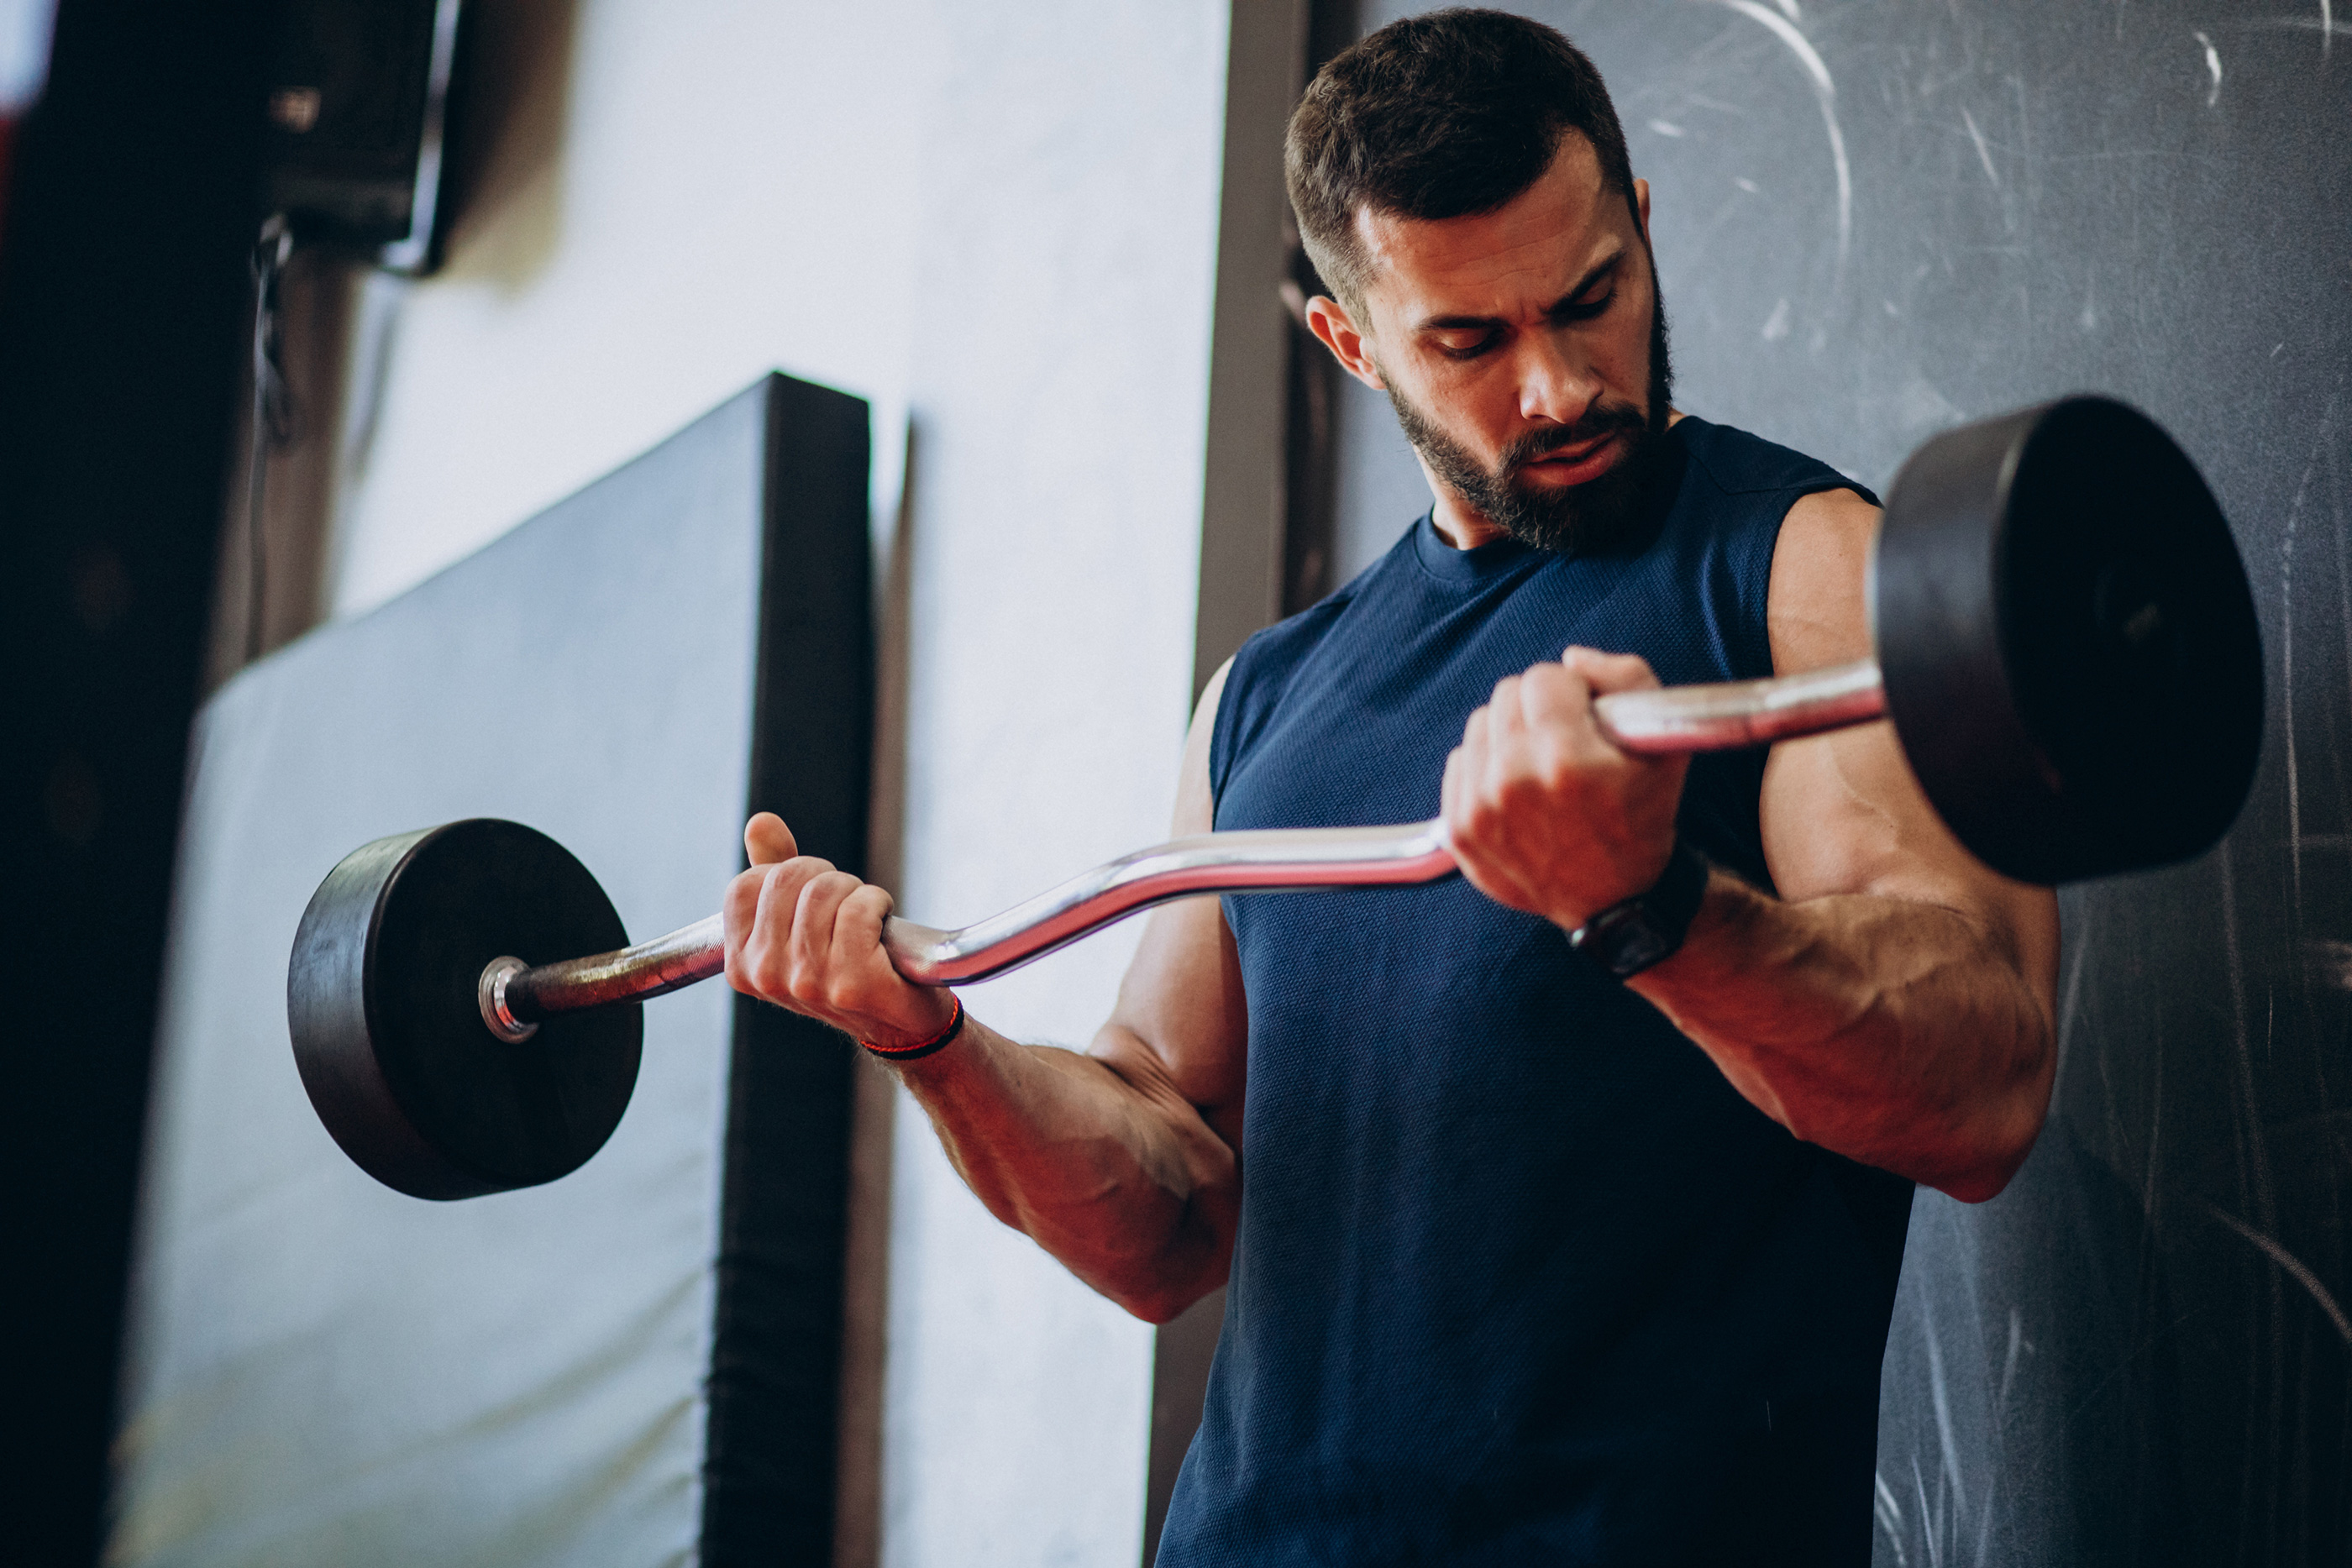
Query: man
pixel 1540 1249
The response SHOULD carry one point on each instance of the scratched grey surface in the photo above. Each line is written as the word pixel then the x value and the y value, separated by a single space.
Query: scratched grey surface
pixel 1875 219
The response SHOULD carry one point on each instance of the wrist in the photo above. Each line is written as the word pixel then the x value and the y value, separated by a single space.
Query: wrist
pixel 901 1046
pixel 1625 886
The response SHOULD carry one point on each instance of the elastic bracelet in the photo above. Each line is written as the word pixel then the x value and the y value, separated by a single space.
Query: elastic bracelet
pixel 939 1042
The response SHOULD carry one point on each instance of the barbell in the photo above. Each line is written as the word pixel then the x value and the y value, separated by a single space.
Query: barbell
pixel 2066 644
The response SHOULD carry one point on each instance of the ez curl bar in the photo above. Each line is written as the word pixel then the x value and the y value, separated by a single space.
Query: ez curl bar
pixel 2066 645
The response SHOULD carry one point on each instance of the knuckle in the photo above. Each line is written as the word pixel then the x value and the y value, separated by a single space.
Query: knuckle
pixel 765 969
pixel 867 905
pixel 777 888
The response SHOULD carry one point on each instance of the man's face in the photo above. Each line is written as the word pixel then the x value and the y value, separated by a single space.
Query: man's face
pixel 1525 351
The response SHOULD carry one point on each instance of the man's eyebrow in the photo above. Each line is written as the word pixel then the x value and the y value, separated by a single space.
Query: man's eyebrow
pixel 1600 269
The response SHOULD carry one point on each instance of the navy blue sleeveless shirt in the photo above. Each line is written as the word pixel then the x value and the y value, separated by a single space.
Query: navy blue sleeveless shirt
pixel 1519 1277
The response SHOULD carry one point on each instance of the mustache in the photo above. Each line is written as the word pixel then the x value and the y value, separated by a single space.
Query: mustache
pixel 1603 419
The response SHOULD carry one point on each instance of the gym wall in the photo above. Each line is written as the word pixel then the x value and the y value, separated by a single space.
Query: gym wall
pixel 997 225
pixel 638 1362
pixel 1874 221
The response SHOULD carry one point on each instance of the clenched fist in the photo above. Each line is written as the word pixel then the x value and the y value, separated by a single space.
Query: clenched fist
pixel 1547 816
pixel 807 937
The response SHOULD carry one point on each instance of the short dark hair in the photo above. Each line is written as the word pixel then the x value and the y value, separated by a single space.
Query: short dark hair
pixel 1439 116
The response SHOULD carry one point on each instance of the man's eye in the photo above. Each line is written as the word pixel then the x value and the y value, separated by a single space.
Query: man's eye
pixel 1586 309
pixel 1464 345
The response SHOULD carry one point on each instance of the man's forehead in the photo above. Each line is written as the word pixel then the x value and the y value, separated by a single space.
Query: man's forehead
pixel 1542 239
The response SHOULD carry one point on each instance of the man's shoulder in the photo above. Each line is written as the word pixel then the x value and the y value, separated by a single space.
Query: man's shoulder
pixel 1291 638
pixel 1272 661
pixel 1740 462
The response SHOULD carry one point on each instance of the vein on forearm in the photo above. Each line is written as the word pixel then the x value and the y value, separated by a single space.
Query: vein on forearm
pixel 1896 1031
pixel 1088 1163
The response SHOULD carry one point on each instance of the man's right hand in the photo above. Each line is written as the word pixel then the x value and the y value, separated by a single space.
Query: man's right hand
pixel 1119 1161
pixel 807 937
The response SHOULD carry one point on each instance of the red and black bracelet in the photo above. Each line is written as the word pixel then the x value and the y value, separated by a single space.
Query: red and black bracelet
pixel 939 1042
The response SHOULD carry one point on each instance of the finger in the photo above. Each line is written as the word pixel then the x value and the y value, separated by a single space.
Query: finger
pixel 737 914
pixel 1503 709
pixel 1606 673
pixel 1486 750
pixel 1554 694
pixel 809 958
pixel 859 959
pixel 1558 701
pixel 767 950
pixel 857 931
pixel 1475 730
pixel 767 841
pixel 1458 801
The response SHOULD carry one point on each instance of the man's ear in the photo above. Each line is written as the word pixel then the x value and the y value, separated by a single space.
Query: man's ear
pixel 1641 205
pixel 1329 320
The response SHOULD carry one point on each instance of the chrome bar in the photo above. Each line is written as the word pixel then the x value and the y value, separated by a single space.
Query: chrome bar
pixel 1674 719
pixel 693 953
pixel 1736 714
pixel 1290 860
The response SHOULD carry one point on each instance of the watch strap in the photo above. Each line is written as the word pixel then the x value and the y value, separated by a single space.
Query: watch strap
pixel 1648 928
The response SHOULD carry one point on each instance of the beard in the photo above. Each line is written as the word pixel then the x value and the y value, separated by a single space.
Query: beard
pixel 1597 516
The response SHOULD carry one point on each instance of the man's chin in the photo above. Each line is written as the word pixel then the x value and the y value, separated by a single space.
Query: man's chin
pixel 1581 510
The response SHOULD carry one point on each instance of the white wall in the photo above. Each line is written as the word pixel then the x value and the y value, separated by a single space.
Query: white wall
pixel 999 223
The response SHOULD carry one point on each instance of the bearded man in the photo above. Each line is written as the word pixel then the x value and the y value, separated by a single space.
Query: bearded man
pixel 1564 1220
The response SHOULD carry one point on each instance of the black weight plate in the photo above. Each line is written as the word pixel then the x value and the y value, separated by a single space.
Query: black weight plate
pixel 387 1030
pixel 2070 648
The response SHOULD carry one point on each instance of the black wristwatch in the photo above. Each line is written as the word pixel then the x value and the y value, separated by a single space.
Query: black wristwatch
pixel 1649 928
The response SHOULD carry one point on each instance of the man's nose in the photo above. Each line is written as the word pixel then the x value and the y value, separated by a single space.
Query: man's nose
pixel 1555 384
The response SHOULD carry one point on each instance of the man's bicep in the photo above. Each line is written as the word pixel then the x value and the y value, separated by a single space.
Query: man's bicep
pixel 1182 999
pixel 1182 1003
pixel 1842 813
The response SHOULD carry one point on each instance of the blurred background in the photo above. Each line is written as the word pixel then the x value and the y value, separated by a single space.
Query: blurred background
pixel 303 303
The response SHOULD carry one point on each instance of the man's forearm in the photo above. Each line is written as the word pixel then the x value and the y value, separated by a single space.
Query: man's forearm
pixel 1898 1033
pixel 1103 1166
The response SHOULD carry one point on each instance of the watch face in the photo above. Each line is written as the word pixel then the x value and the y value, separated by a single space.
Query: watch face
pixel 1624 941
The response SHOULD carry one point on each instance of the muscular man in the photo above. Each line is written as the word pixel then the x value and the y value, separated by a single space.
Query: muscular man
pixel 1539 1251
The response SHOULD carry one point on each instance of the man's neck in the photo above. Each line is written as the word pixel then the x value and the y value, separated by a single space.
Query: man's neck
pixel 1457 523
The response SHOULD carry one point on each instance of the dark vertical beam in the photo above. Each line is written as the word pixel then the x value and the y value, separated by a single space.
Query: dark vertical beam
pixel 122 299
pixel 771 1458
pixel 1313 378
pixel 1243 499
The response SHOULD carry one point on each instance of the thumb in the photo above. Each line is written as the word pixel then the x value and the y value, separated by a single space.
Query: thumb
pixel 767 841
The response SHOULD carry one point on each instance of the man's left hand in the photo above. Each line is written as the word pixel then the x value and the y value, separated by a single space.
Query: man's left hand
pixel 1545 815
